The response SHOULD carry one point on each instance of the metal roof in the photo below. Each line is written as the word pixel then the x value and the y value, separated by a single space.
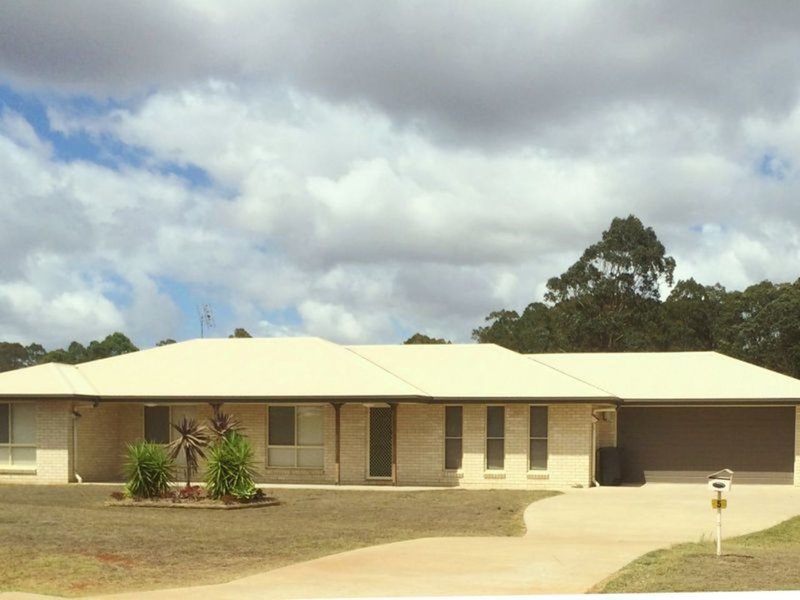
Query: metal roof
pixel 312 369
pixel 477 371
pixel 51 379
pixel 303 368
pixel 674 376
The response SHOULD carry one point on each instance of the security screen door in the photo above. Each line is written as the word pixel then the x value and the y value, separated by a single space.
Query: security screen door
pixel 380 442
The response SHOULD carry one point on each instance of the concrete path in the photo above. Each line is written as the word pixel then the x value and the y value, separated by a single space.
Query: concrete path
pixel 573 541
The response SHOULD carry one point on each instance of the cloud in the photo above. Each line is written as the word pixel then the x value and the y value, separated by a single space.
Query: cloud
pixel 505 72
pixel 362 176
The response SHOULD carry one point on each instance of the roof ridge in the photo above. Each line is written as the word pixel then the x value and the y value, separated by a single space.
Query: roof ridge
pixel 382 368
pixel 60 369
pixel 597 387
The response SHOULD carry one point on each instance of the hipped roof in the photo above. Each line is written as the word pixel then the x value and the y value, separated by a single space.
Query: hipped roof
pixel 477 372
pixel 674 377
pixel 312 369
pixel 51 379
pixel 245 368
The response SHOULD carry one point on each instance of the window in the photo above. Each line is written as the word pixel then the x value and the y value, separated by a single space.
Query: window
pixel 538 441
pixel 495 437
pixel 453 431
pixel 295 437
pixel 156 424
pixel 18 435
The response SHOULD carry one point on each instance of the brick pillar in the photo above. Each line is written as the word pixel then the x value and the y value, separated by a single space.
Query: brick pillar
pixel 53 441
pixel 797 446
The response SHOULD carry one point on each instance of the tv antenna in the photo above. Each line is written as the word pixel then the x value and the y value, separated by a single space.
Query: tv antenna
pixel 206 318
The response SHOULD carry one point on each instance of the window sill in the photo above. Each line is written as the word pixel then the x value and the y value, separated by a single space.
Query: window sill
pixel 303 469
pixel 17 470
pixel 494 474
pixel 454 473
pixel 538 475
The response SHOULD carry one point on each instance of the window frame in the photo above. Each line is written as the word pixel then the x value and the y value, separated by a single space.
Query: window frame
pixel 459 437
pixel 11 445
pixel 170 436
pixel 487 438
pixel 296 447
pixel 531 438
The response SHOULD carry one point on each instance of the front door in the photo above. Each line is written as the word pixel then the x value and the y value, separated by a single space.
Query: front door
pixel 380 442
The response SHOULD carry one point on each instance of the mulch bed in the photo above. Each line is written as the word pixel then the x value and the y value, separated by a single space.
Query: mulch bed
pixel 203 504
pixel 193 496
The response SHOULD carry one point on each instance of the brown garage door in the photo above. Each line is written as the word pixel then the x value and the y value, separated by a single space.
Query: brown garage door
pixel 686 444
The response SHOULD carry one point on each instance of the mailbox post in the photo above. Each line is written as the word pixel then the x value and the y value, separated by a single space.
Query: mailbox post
pixel 719 482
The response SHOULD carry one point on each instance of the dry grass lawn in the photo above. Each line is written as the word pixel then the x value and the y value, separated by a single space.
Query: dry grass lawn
pixel 765 560
pixel 62 540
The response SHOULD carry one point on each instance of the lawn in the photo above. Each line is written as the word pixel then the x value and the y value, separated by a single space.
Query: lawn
pixel 62 540
pixel 765 560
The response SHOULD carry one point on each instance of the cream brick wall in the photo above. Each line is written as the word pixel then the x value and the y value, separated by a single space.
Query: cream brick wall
pixel 797 446
pixel 53 446
pixel 104 432
pixel 569 448
pixel 354 443
pixel 53 441
pixel 570 445
pixel 607 430
pixel 420 445
pixel 98 433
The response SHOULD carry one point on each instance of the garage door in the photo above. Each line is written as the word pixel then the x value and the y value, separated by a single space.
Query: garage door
pixel 686 444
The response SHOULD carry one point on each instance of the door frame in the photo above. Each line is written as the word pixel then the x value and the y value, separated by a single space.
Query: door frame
pixel 368 451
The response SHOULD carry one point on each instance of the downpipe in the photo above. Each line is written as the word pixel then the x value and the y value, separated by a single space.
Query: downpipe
pixel 75 416
pixel 595 419
pixel 75 420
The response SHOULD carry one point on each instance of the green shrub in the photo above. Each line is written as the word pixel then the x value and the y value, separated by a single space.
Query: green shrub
pixel 148 470
pixel 230 469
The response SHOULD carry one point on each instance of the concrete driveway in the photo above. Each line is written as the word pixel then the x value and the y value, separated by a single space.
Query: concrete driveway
pixel 573 541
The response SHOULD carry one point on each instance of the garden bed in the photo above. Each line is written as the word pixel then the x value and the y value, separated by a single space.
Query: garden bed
pixel 204 504
pixel 191 497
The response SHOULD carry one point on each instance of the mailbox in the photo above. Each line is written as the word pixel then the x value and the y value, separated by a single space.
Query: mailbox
pixel 721 481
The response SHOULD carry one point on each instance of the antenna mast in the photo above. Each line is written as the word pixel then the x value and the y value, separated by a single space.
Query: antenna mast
pixel 206 318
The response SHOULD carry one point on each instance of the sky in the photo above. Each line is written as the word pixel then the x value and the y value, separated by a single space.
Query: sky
pixel 361 170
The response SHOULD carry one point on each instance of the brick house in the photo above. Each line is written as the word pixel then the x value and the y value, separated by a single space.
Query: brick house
pixel 471 415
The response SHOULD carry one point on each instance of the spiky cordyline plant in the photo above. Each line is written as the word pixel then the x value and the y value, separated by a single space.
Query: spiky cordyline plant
pixel 192 439
pixel 221 424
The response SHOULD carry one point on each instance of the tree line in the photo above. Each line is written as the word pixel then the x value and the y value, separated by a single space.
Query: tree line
pixel 14 355
pixel 609 300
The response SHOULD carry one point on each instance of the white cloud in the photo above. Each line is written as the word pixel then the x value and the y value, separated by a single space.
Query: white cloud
pixel 369 179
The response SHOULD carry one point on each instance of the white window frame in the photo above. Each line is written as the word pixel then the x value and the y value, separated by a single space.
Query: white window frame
pixel 487 438
pixel 11 445
pixel 297 446
pixel 532 437
pixel 446 437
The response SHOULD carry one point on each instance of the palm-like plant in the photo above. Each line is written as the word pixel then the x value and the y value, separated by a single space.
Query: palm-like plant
pixel 221 424
pixel 192 439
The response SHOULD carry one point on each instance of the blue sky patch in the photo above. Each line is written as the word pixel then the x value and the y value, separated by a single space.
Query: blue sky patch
pixel 773 167
pixel 103 150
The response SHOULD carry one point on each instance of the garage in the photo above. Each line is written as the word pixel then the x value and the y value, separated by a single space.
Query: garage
pixel 680 444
